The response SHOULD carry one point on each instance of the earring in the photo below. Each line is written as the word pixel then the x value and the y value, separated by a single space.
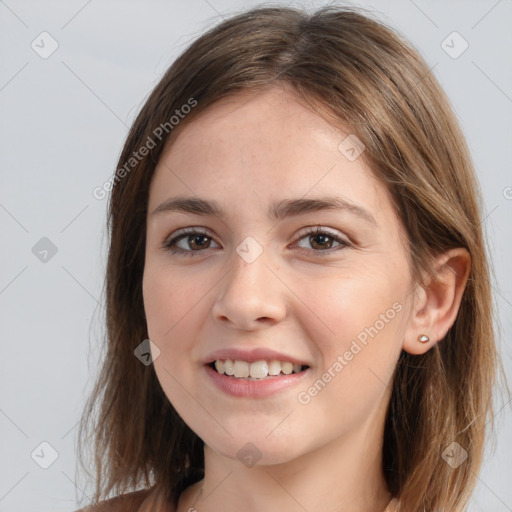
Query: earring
pixel 423 338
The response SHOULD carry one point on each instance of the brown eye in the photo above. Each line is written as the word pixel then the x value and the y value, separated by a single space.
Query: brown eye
pixel 322 241
pixel 188 243
pixel 196 241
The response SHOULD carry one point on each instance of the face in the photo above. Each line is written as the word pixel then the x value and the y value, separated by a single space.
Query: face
pixel 262 277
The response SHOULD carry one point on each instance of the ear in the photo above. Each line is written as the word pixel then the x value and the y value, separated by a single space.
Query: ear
pixel 436 300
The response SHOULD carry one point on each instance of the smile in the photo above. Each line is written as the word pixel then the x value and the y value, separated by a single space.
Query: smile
pixel 256 370
pixel 256 379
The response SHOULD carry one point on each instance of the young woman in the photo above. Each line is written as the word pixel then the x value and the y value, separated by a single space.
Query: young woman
pixel 298 297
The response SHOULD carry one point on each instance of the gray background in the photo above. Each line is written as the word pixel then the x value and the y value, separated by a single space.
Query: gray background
pixel 63 120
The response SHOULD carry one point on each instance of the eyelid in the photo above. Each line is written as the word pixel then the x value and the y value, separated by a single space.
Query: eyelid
pixel 316 229
pixel 187 231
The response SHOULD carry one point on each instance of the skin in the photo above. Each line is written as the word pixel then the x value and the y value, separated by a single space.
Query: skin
pixel 304 296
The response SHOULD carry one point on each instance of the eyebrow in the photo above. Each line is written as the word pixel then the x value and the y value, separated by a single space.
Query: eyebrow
pixel 279 210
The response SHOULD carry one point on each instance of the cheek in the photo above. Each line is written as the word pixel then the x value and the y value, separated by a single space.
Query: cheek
pixel 169 301
pixel 174 307
pixel 366 317
pixel 363 308
pixel 168 308
pixel 368 314
pixel 357 361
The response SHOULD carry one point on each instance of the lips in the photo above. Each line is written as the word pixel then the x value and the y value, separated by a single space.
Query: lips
pixel 256 373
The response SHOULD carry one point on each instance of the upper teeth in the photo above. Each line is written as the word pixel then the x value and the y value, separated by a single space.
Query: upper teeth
pixel 257 369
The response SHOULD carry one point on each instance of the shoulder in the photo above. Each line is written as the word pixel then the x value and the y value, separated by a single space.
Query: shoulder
pixel 131 502
pixel 392 505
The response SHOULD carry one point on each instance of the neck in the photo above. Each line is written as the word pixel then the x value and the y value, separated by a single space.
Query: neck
pixel 342 476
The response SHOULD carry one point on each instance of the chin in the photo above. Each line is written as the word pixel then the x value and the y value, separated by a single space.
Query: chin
pixel 257 448
pixel 257 453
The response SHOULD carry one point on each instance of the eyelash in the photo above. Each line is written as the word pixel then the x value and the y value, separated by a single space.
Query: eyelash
pixel 169 245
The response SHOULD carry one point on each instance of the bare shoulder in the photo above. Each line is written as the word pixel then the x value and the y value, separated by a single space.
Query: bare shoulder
pixel 130 502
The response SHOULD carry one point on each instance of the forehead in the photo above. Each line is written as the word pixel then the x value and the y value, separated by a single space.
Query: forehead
pixel 277 117
pixel 270 145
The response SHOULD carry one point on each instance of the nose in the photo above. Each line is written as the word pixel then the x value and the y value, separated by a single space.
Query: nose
pixel 250 296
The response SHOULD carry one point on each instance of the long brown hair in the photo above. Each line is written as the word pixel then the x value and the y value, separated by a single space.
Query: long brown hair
pixel 354 70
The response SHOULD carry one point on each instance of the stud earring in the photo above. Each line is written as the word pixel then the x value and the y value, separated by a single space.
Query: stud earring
pixel 423 338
